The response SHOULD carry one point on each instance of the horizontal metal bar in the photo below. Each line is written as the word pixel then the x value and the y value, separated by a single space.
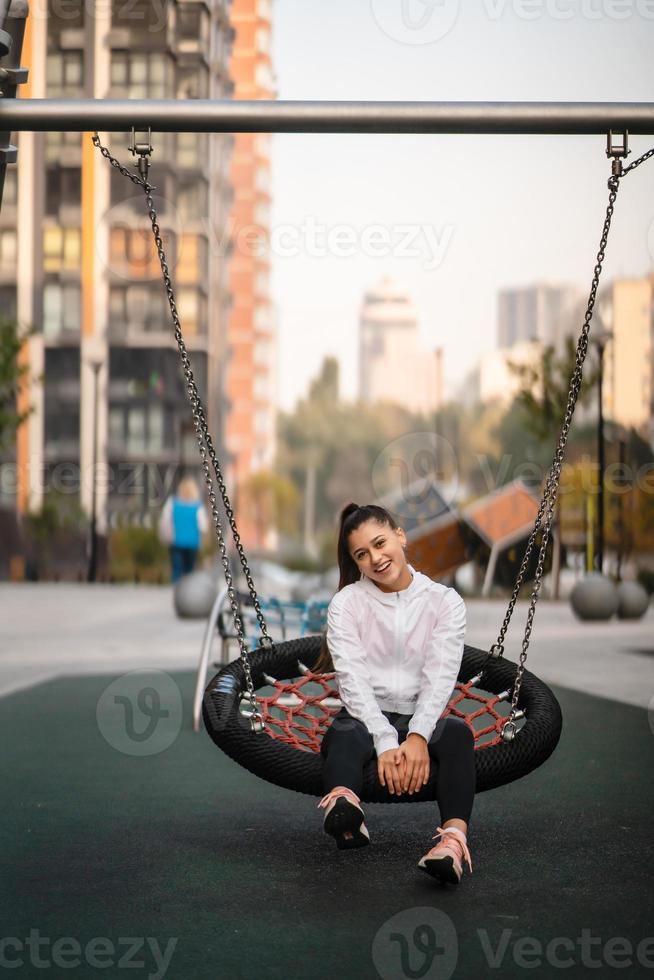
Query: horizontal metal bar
pixel 237 116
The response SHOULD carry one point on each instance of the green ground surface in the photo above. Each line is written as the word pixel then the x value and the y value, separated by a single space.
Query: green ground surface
pixel 185 845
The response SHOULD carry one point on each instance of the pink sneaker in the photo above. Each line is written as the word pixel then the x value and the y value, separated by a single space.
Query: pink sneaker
pixel 344 818
pixel 444 860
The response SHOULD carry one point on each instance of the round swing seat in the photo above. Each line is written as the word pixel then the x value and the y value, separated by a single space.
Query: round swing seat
pixel 298 712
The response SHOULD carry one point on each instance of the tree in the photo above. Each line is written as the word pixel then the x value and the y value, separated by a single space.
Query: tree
pixel 273 502
pixel 543 400
pixel 544 388
pixel 14 376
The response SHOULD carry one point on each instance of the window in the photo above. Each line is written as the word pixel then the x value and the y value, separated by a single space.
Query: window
pixel 263 40
pixel 193 24
pixel 56 143
pixel 262 421
pixel 262 317
pixel 61 249
pixel 63 188
pixel 155 428
pixel 132 253
pixel 192 259
pixel 136 430
pixel 10 192
pixel 262 284
pixel 192 310
pixel 139 306
pixel 262 144
pixel 262 179
pixel 261 387
pixel 65 74
pixel 192 83
pixel 8 249
pixel 263 75
pixel 192 201
pixel 62 308
pixel 8 301
pixel 138 15
pixel 141 75
pixel 116 427
pixel 262 214
pixel 262 352
pixel 191 150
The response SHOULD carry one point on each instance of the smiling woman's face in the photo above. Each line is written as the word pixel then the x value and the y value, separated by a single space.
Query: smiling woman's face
pixel 378 552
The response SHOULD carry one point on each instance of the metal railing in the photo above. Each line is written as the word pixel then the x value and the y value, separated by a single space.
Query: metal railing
pixel 232 116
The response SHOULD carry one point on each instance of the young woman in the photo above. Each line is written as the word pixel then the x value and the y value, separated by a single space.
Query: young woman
pixel 395 641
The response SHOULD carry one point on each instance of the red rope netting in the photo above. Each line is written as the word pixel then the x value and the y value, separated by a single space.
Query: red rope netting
pixel 300 718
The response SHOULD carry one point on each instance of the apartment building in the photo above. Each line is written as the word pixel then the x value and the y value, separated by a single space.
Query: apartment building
pixel 251 378
pixel 394 365
pixel 77 261
pixel 628 391
pixel 545 312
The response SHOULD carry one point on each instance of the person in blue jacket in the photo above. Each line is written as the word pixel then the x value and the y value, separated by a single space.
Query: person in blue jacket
pixel 182 524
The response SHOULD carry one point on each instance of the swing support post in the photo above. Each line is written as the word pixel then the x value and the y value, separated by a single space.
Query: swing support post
pixel 234 116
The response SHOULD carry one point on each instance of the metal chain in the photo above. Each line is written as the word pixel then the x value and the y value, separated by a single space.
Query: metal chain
pixel 547 504
pixel 206 448
pixel 550 493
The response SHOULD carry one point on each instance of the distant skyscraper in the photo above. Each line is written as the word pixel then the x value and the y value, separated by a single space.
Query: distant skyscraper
pixel 394 365
pixel 544 312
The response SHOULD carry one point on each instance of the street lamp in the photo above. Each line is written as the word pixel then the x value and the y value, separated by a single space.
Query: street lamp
pixel 600 340
pixel 95 366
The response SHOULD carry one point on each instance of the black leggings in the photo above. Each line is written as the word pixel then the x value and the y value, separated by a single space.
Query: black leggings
pixel 347 746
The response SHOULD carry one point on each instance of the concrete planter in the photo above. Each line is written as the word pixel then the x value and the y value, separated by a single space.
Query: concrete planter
pixel 595 597
pixel 194 595
pixel 633 600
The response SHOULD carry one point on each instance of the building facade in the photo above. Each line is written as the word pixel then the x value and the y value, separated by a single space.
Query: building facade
pixel 497 382
pixel 394 365
pixel 111 414
pixel 545 312
pixel 628 391
pixel 251 378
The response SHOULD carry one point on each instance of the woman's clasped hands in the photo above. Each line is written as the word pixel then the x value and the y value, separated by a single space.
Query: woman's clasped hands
pixel 405 769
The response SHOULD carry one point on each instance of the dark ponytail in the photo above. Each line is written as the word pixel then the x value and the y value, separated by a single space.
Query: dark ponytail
pixel 352 516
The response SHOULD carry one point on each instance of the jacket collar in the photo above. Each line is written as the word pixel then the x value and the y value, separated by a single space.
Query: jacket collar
pixel 418 583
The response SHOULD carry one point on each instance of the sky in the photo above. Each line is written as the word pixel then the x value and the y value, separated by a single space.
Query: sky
pixel 453 218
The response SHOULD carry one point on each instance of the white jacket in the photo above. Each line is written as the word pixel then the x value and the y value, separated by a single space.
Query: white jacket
pixel 396 651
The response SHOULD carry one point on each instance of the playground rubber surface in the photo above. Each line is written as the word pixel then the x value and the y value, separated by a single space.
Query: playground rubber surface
pixel 185 851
